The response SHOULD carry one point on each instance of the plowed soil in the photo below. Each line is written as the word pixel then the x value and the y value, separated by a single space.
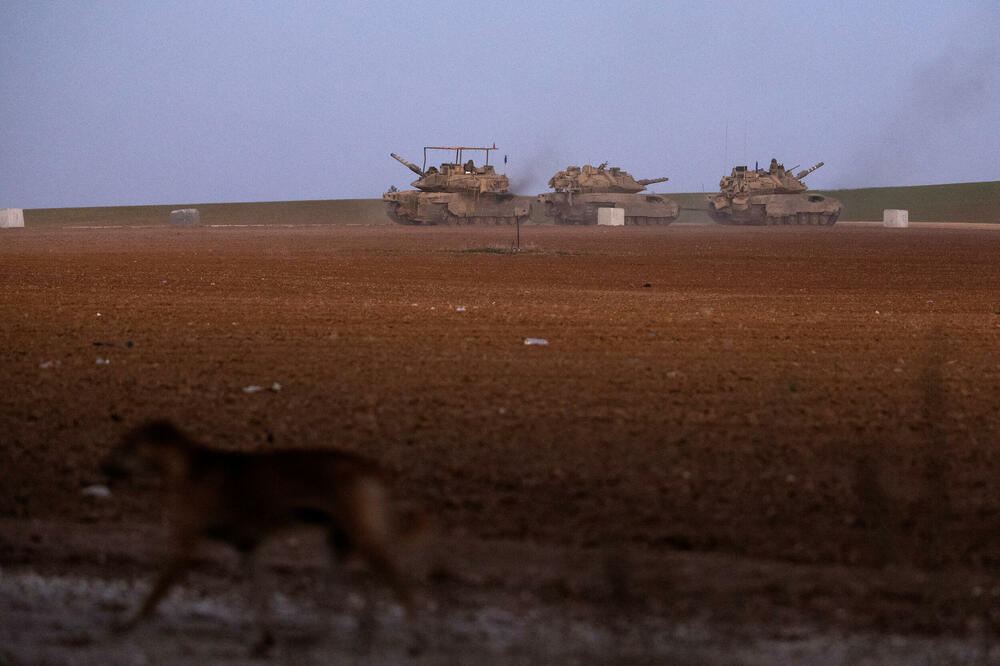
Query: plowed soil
pixel 742 429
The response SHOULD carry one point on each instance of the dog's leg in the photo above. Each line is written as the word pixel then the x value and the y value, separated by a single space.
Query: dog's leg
pixel 260 592
pixel 341 550
pixel 175 567
pixel 373 534
pixel 384 567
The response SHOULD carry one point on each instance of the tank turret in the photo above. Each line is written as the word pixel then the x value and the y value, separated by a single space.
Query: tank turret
pixel 455 193
pixel 581 191
pixel 601 179
pixel 772 197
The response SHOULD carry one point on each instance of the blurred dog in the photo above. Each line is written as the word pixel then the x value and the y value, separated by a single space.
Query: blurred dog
pixel 243 498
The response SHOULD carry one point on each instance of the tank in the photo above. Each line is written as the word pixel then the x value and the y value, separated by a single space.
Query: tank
pixel 772 197
pixel 581 191
pixel 455 193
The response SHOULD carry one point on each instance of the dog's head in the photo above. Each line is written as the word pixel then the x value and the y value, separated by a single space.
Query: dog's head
pixel 143 451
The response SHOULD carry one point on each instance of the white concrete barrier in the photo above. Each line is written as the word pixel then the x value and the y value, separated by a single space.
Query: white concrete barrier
pixel 11 218
pixel 895 218
pixel 611 217
pixel 186 216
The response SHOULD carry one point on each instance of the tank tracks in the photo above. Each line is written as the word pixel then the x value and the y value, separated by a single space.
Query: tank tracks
pixel 630 221
pixel 446 219
pixel 798 219
pixel 486 220
pixel 644 221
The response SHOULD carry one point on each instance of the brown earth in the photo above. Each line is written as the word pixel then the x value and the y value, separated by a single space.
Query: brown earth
pixel 753 428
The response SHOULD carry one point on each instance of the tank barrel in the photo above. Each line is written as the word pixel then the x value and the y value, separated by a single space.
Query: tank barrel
pixel 649 181
pixel 805 172
pixel 412 167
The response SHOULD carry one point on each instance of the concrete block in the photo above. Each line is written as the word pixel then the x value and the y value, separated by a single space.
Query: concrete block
pixel 611 217
pixel 895 218
pixel 11 217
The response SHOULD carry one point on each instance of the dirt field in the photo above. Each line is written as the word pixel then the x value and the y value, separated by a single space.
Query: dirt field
pixel 738 446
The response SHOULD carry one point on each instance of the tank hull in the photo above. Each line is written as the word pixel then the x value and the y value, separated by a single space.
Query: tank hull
pixel 774 210
pixel 413 207
pixel 640 209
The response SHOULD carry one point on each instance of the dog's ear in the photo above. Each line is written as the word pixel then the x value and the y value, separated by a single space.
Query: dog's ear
pixel 112 466
pixel 139 450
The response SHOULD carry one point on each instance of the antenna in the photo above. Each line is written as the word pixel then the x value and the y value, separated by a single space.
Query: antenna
pixel 746 126
pixel 725 148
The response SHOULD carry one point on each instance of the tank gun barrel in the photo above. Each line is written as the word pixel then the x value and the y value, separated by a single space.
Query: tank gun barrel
pixel 649 181
pixel 412 167
pixel 805 172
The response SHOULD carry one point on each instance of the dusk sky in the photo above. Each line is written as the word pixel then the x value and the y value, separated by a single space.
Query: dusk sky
pixel 113 103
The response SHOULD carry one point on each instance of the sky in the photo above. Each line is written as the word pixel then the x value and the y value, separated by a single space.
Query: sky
pixel 120 103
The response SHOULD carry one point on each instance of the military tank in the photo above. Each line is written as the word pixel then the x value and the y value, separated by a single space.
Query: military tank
pixel 581 191
pixel 455 193
pixel 772 197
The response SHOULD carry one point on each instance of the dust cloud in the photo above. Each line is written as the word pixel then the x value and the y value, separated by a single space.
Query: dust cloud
pixel 945 94
pixel 531 173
